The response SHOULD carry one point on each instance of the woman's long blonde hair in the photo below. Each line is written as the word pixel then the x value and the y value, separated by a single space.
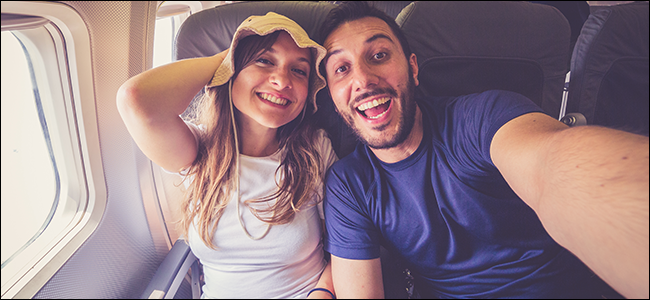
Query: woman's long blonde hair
pixel 212 172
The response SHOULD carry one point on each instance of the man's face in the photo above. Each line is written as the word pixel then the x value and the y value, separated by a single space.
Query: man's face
pixel 370 81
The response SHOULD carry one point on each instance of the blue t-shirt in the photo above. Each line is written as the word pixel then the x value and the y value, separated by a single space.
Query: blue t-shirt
pixel 449 213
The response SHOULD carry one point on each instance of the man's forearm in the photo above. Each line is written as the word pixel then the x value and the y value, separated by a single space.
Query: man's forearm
pixel 594 202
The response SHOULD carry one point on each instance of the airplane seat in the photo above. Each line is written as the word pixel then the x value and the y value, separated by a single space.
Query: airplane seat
pixel 609 68
pixel 470 47
pixel 576 12
pixel 209 32
pixel 391 8
pixel 168 281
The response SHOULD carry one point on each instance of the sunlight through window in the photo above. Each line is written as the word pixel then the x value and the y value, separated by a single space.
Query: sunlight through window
pixel 29 181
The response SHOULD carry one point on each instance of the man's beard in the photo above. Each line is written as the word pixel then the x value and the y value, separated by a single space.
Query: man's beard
pixel 404 125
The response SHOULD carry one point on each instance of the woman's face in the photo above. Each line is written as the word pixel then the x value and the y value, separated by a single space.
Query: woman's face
pixel 272 90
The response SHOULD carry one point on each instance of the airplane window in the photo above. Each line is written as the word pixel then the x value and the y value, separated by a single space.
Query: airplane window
pixel 30 181
pixel 166 29
pixel 169 17
pixel 53 188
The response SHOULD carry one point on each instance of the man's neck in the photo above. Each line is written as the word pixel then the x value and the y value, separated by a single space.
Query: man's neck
pixel 406 148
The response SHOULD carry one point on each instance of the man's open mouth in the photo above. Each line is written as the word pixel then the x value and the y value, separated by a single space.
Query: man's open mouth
pixel 374 109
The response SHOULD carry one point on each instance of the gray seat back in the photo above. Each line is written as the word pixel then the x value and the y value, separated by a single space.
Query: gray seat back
pixel 465 47
pixel 609 68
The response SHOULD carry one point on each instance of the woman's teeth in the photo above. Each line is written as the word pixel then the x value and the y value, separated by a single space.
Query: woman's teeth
pixel 274 99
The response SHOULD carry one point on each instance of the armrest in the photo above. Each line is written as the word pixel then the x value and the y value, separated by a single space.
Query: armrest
pixel 171 273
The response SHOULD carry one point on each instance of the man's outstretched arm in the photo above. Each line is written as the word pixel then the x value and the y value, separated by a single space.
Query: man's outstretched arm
pixel 589 187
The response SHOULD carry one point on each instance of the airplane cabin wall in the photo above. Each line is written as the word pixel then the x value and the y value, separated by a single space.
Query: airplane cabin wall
pixel 121 256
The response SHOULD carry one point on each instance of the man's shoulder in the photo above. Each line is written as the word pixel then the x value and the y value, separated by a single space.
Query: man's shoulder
pixel 354 167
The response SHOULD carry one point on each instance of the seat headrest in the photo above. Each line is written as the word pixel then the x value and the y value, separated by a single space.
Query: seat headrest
pixel 210 31
pixel 468 47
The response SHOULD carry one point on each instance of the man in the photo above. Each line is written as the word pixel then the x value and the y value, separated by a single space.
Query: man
pixel 474 192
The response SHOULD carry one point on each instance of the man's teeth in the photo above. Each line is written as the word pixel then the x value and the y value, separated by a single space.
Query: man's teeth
pixel 377 116
pixel 373 103
pixel 274 99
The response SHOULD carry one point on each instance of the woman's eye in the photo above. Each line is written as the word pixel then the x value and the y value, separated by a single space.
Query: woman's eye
pixel 301 72
pixel 263 61
pixel 341 69
pixel 379 55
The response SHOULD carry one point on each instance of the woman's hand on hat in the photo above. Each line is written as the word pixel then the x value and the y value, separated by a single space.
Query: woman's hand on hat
pixel 222 54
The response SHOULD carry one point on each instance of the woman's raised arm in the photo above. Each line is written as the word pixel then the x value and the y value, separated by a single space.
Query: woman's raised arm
pixel 150 104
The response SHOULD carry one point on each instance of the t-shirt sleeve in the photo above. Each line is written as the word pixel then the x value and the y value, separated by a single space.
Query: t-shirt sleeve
pixel 351 233
pixel 477 118
pixel 328 158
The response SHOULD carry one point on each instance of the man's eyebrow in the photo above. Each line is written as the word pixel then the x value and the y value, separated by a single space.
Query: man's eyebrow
pixel 369 40
pixel 378 36
pixel 327 57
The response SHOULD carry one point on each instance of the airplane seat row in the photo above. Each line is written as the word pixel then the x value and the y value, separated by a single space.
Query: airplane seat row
pixel 527 52
pixel 462 48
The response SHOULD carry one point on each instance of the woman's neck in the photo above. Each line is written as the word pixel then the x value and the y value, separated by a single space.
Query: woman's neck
pixel 258 141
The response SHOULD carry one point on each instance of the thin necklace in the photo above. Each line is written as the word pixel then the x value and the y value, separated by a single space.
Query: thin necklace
pixel 268 226
pixel 234 127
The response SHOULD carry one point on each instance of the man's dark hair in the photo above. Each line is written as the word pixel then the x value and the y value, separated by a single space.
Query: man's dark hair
pixel 353 10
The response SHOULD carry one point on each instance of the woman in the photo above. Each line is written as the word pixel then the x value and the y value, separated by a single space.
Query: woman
pixel 254 147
